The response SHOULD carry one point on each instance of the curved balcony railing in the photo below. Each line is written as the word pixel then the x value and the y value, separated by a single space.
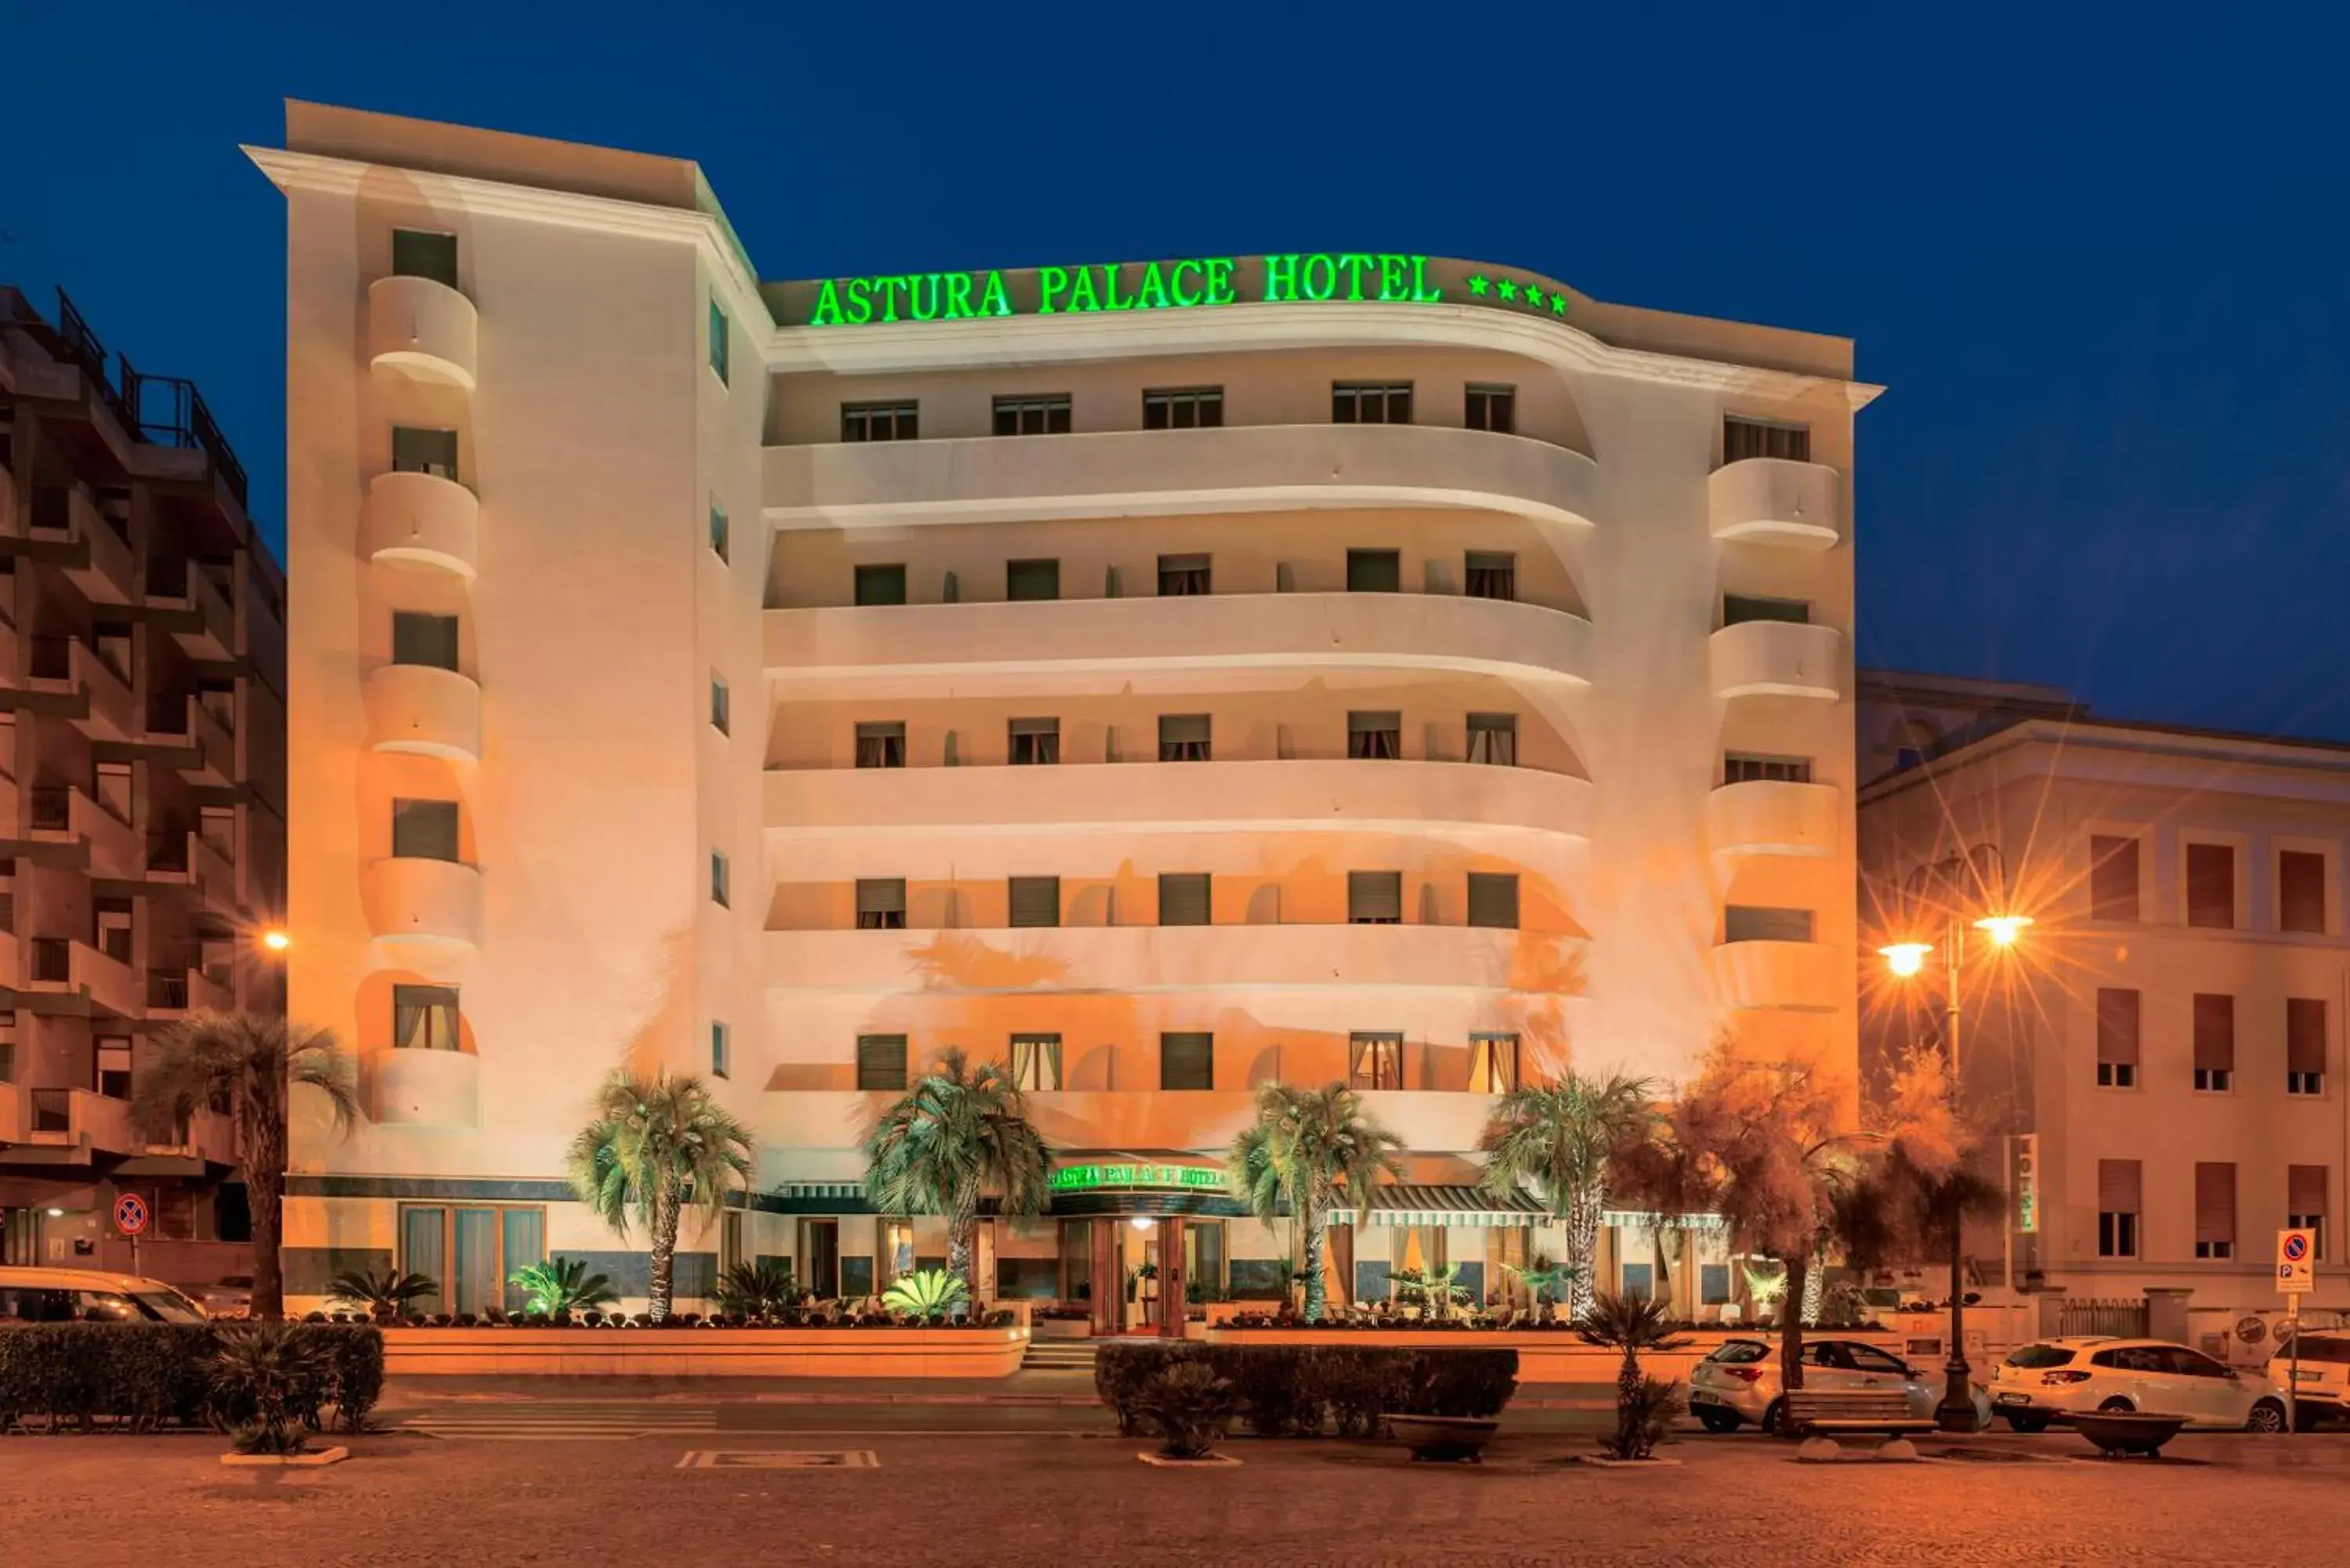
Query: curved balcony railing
pixel 1776 658
pixel 425 1088
pixel 1806 976
pixel 1775 501
pixel 422 329
pixel 1771 816
pixel 421 709
pixel 415 899
pixel 420 520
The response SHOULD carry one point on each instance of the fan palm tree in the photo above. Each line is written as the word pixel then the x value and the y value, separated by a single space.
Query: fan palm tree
pixel 656 1145
pixel 250 1062
pixel 960 1133
pixel 1557 1140
pixel 1303 1148
pixel 1633 1324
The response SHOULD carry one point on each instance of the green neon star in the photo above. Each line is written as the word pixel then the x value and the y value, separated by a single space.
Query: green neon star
pixel 1535 295
pixel 1509 289
pixel 1558 305
pixel 1479 285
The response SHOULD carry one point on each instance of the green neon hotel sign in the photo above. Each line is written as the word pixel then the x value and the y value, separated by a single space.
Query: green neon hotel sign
pixel 1129 1178
pixel 1192 283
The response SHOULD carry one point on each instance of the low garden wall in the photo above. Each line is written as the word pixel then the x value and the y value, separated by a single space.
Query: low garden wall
pixel 704 1352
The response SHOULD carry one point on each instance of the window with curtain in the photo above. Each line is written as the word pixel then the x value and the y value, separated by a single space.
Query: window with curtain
pixel 1491 408
pixel 1036 740
pixel 2215 1209
pixel 424 829
pixel 2211 886
pixel 1184 577
pixel 2304 1201
pixel 2113 878
pixel 1493 899
pixel 1370 403
pixel 881 903
pixel 1186 1061
pixel 424 1018
pixel 1036 1061
pixel 422 1251
pixel 2215 1043
pixel 1374 735
pixel 881 746
pixel 1375 898
pixel 2117 1208
pixel 881 1061
pixel 1493 1063
pixel 1752 767
pixel 880 421
pixel 2117 1024
pixel 1742 438
pixel 1494 739
pixel 2301 891
pixel 1184 898
pixel 1184 408
pixel 1035 900
pixel 1489 575
pixel 471 1251
pixel 2305 1046
pixel 1045 413
pixel 1377 1061
pixel 1183 737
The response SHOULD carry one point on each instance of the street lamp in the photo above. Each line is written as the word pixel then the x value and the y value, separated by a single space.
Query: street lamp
pixel 274 940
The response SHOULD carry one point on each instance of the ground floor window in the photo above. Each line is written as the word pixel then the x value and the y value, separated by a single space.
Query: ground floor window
pixel 470 1254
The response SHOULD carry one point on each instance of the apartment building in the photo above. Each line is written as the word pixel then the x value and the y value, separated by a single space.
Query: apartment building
pixel 142 789
pixel 1163 679
pixel 2169 1028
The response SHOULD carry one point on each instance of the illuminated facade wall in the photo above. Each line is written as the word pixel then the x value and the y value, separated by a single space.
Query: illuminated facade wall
pixel 1320 604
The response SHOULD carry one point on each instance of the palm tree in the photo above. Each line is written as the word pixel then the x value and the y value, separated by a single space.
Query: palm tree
pixel 1557 1138
pixel 960 1133
pixel 656 1145
pixel 1632 1324
pixel 251 1064
pixel 1305 1146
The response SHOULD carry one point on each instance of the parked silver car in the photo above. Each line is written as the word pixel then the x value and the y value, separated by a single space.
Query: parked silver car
pixel 1739 1384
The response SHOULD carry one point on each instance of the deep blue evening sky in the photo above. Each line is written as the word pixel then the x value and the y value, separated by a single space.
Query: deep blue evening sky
pixel 2099 262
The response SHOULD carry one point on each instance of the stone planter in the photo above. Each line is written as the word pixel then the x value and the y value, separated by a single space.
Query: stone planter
pixel 1446 1440
pixel 703 1352
pixel 2119 1433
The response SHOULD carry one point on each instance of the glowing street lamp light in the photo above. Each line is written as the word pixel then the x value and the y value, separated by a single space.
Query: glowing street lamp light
pixel 2002 930
pixel 1906 959
pixel 276 940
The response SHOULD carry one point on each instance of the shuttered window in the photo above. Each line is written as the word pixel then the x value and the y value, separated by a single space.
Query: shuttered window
pixel 1374 572
pixel 2215 1210
pixel 427 640
pixel 1375 898
pixel 1036 740
pixel 2304 1201
pixel 1377 1061
pixel 881 903
pixel 1378 736
pixel 1184 577
pixel 2211 886
pixel 1494 738
pixel 1740 608
pixel 1184 898
pixel 1757 923
pixel 881 746
pixel 1036 1061
pixel 2305 1046
pixel 1183 738
pixel 881 1061
pixel 1742 438
pixel 2215 1043
pixel 2117 1026
pixel 1186 1061
pixel 1035 900
pixel 1753 767
pixel 2113 879
pixel 1032 580
pixel 424 829
pixel 881 584
pixel 2301 891
pixel 1493 899
pixel 2117 1208
pixel 1493 1063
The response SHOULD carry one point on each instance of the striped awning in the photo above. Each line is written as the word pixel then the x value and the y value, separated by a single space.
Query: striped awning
pixel 1419 1203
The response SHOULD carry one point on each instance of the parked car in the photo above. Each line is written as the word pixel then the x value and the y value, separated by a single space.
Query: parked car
pixel 86 1295
pixel 1739 1384
pixel 2320 1377
pixel 2050 1379
pixel 231 1297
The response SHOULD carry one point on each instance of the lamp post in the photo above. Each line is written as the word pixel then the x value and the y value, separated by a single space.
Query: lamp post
pixel 1906 959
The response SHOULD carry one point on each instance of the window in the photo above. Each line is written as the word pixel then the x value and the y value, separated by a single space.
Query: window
pixel 471 1252
pixel 1370 403
pixel 2215 1210
pixel 1375 898
pixel 2117 1017
pixel 1183 737
pixel 2215 1043
pixel 1032 580
pixel 880 421
pixel 2301 891
pixel 2305 1202
pixel 1493 1063
pixel 1742 438
pixel 424 1018
pixel 718 341
pixel 2113 878
pixel 718 878
pixel 2211 886
pixel 113 1066
pixel 1750 767
pixel 1183 898
pixel 1186 1061
pixel 1375 736
pixel 2305 1046
pixel 1036 740
pixel 1493 899
pixel 1754 923
pixel 418 451
pixel 720 1061
pixel 1494 738
pixel 718 531
pixel 1740 608
pixel 881 746
pixel 1492 407
pixel 423 253
pixel 721 718
pixel 2117 1208
pixel 1035 900
pixel 420 638
pixel 1184 408
pixel 881 584
pixel 1377 1061
pixel 1373 571
pixel 1491 575
pixel 881 903
pixel 1183 575
pixel 1043 415
pixel 1036 1061
pixel 424 829
pixel 881 1061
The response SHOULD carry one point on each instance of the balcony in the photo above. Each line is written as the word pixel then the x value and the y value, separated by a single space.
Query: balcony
pixel 1806 976
pixel 102 708
pixel 97 559
pixel 195 743
pixel 1158 473
pixel 175 992
pixel 1777 659
pixel 422 329
pixel 919 644
pixel 420 708
pixel 1770 816
pixel 78 1123
pixel 1775 501
pixel 1280 796
pixel 420 900
pixel 425 1088
pixel 60 814
pixel 201 619
pixel 420 520
pixel 205 1136
pixel 12 1108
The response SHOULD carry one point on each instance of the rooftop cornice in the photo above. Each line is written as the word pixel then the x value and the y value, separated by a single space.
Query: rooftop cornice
pixel 2088 749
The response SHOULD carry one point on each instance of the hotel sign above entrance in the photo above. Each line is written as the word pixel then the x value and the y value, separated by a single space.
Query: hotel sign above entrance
pixel 1190 283
pixel 1134 1178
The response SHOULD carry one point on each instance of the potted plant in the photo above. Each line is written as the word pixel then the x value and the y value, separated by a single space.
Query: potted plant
pixel 1443 1404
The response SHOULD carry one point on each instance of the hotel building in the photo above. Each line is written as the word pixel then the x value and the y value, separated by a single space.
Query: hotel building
pixel 1163 679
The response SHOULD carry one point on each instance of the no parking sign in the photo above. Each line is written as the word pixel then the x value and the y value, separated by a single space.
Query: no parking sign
pixel 2296 1267
pixel 130 1214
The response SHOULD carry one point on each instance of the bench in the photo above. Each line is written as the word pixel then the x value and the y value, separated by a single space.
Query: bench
pixel 1828 1411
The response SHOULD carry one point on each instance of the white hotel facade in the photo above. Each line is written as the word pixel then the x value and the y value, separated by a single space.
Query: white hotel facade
pixel 1163 679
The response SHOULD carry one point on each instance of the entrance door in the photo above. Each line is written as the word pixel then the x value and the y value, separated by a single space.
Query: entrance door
pixel 20 1238
pixel 820 1256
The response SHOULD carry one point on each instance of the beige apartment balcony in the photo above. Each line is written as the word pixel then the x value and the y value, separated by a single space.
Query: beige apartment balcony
pixel 12 1107
pixel 189 738
pixel 1775 501
pixel 425 1088
pixel 420 520
pixel 174 993
pixel 60 814
pixel 1771 816
pixel 1808 976
pixel 201 620
pixel 98 559
pixel 1776 658
pixel 421 709
pixel 1290 795
pixel 422 329
pixel 101 704
pixel 77 1124
pixel 203 1138
pixel 411 898
pixel 1158 473
pixel 873 646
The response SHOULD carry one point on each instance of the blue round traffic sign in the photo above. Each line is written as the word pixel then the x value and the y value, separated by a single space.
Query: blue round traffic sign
pixel 130 1214
pixel 2296 1248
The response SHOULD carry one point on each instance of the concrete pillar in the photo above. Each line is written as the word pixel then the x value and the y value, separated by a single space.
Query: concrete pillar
pixel 2166 1313
pixel 2050 1304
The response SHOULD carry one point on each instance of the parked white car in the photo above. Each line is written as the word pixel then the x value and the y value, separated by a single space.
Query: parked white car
pixel 1739 1384
pixel 86 1295
pixel 2050 1379
pixel 2320 1377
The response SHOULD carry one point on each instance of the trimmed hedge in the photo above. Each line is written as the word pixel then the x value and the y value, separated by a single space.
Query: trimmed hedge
pixel 151 1374
pixel 1292 1390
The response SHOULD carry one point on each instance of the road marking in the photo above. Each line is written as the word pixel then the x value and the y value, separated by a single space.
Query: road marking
pixel 777 1460
pixel 554 1423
